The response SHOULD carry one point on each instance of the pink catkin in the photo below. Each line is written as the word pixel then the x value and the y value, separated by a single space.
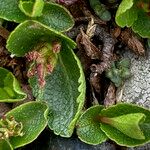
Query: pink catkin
pixel 49 68
pixel 31 72
pixel 56 47
pixel 32 56
pixel 41 74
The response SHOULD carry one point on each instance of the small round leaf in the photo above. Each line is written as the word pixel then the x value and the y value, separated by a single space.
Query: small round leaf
pixel 88 126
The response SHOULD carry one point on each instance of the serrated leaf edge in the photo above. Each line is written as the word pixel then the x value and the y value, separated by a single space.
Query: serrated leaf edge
pixel 81 90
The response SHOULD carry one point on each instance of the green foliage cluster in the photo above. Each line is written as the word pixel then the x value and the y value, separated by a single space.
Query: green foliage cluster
pixel 119 71
pixel 135 14
pixel 100 10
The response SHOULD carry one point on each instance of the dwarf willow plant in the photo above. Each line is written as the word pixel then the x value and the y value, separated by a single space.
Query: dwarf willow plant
pixel 58 84
pixel 55 73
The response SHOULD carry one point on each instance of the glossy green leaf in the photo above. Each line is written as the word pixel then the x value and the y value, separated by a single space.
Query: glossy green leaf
pixel 142 25
pixel 128 124
pixel 32 33
pixel 5 145
pixel 116 135
pixel 53 15
pixel 10 90
pixel 64 92
pixel 126 13
pixel 33 116
pixel 88 126
pixel 32 9
pixel 56 17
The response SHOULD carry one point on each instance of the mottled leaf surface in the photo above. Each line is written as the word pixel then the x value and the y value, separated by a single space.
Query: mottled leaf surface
pixel 88 126
pixel 64 92
pixel 56 17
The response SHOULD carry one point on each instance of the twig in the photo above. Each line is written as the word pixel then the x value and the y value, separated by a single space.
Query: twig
pixel 107 50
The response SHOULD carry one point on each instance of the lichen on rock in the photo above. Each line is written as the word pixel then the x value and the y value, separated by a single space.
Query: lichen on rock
pixel 136 89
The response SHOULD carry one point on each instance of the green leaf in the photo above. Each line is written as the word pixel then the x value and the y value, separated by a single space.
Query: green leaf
pixel 10 90
pixel 32 33
pixel 53 15
pixel 126 14
pixel 64 92
pixel 56 17
pixel 128 124
pixel 32 9
pixel 26 7
pixel 142 25
pixel 5 145
pixel 88 126
pixel 33 117
pixel 116 135
pixel 10 11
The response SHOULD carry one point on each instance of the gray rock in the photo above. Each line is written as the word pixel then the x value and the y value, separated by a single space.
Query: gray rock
pixel 59 143
pixel 137 88
pixel 49 141
pixel 145 147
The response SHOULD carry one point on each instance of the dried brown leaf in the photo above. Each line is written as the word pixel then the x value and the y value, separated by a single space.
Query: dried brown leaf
pixel 116 32
pixel 110 98
pixel 133 42
pixel 91 50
